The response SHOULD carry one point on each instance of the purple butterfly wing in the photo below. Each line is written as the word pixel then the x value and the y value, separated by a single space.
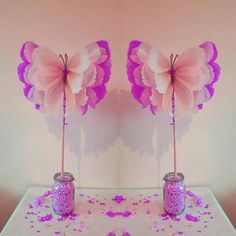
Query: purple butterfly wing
pixel 97 91
pixel 26 56
pixel 143 89
pixel 211 54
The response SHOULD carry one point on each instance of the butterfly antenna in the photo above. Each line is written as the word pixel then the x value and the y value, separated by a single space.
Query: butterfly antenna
pixel 66 60
pixel 63 61
pixel 171 58
pixel 176 56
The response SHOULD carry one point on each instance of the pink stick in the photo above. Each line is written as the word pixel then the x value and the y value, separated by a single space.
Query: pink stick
pixel 63 133
pixel 173 124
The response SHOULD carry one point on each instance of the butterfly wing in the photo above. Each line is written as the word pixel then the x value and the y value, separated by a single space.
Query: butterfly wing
pixel 30 92
pixel 206 93
pixel 89 72
pixel 147 71
pixel 196 72
pixel 42 73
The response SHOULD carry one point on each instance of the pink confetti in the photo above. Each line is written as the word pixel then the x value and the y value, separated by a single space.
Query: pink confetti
pixel 126 234
pixel 178 233
pixel 196 199
pixel 197 206
pixel 118 213
pixel 192 218
pixel 39 200
pixel 175 218
pixel 45 218
pixel 146 201
pixel 164 216
pixel 111 234
pixel 118 199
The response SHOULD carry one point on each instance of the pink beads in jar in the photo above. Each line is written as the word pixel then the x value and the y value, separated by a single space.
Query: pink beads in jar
pixel 174 193
pixel 63 192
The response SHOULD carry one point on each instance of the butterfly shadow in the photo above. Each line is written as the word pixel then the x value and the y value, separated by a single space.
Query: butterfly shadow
pixel 118 117
pixel 139 126
pixel 72 134
pixel 100 126
pixel 72 131
pixel 92 133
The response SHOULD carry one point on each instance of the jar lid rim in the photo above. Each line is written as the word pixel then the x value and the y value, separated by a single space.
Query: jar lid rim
pixel 67 177
pixel 170 177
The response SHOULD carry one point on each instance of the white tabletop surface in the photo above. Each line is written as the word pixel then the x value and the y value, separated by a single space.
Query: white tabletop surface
pixel 138 215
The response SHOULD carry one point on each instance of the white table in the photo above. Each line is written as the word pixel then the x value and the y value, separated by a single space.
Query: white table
pixel 138 214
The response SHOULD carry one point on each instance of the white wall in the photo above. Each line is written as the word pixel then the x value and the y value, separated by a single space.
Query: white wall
pixel 118 144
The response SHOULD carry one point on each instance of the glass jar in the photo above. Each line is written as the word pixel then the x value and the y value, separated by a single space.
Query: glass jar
pixel 174 193
pixel 63 192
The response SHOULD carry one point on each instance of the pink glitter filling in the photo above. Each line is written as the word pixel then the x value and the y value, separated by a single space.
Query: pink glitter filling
pixel 63 194
pixel 174 194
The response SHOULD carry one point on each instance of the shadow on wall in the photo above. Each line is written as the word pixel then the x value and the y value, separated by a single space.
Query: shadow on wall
pixel 138 127
pixel 101 126
pixel 72 133
pixel 118 116
pixel 228 203
pixel 8 202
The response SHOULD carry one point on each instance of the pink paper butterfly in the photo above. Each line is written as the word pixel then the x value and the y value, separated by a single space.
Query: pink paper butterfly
pixel 80 78
pixel 192 76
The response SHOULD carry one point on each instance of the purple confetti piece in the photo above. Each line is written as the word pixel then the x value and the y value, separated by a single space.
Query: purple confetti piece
pixel 111 234
pixel 47 217
pixel 175 218
pixel 124 214
pixel 126 234
pixel 146 201
pixel 192 218
pixel 196 199
pixel 118 199
pixel 39 200
pixel 178 233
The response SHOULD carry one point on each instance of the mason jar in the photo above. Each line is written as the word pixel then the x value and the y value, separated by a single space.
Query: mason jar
pixel 63 192
pixel 174 193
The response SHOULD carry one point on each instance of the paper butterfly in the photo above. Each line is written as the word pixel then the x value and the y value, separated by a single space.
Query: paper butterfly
pixel 80 78
pixel 192 75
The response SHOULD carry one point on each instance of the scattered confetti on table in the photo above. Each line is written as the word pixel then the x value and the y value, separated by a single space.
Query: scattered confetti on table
pixel 119 206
